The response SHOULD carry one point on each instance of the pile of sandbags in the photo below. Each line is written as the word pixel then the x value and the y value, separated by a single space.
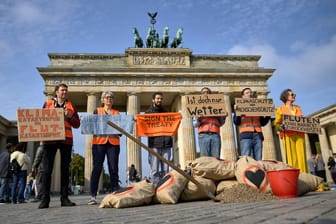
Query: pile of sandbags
pixel 214 174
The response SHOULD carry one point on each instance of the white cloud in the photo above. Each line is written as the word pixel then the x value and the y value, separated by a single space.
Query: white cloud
pixel 28 13
pixel 310 71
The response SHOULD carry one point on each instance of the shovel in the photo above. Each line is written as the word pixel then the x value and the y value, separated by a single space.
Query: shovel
pixel 172 165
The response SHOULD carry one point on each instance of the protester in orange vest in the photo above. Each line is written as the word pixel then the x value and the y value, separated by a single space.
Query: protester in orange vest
pixel 105 145
pixel 208 132
pixel 71 120
pixel 160 144
pixel 293 141
pixel 250 132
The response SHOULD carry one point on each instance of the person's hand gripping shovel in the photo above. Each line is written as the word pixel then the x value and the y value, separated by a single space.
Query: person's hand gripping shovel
pixel 172 165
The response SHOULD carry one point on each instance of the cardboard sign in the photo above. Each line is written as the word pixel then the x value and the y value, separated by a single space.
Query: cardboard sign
pixel 96 124
pixel 205 105
pixel 40 124
pixel 157 124
pixel 254 107
pixel 302 124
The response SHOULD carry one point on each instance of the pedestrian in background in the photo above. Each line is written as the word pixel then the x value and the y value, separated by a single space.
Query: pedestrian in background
pixel 19 178
pixel 4 174
pixel 37 169
pixel 71 120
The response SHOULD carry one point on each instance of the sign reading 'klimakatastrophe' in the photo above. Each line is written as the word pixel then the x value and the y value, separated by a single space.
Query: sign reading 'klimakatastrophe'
pixel 205 105
pixel 40 124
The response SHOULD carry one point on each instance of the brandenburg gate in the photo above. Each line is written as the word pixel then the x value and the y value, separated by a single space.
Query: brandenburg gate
pixel 135 75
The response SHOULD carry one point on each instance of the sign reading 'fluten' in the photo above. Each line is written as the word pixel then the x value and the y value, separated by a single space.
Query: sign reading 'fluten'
pixel 302 124
pixel 205 105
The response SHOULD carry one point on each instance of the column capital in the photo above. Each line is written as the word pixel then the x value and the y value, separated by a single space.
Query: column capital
pixel 93 94
pixel 133 93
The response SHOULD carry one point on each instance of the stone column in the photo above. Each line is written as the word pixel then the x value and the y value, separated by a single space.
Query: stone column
pixel 92 102
pixel 308 147
pixel 323 138
pixel 269 152
pixel 185 135
pixel 228 149
pixel 133 149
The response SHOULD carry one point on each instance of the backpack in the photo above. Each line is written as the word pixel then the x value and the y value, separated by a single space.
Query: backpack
pixel 14 167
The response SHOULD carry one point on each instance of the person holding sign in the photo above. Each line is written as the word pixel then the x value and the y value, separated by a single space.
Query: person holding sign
pixel 71 120
pixel 105 145
pixel 293 141
pixel 208 132
pixel 160 144
pixel 250 132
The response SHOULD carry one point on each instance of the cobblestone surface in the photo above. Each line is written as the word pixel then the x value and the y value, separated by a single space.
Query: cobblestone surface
pixel 315 207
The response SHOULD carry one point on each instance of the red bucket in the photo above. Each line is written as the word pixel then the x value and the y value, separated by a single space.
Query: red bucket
pixel 284 183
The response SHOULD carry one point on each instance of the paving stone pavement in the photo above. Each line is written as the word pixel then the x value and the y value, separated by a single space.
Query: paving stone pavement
pixel 315 207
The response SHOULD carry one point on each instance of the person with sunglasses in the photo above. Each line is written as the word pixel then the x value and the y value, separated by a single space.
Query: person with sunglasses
pixel 293 141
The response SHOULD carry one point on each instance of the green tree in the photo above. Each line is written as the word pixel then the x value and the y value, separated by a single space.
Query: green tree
pixel 77 170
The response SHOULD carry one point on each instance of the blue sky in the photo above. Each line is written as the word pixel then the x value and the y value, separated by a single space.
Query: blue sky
pixel 297 38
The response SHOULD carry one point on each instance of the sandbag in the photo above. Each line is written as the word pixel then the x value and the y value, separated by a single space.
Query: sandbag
pixel 136 194
pixel 307 183
pixel 213 168
pixel 193 193
pixel 273 165
pixel 169 188
pixel 225 185
pixel 250 172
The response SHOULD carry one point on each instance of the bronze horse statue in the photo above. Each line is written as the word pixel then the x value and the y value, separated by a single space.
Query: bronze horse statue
pixel 138 43
pixel 178 39
pixel 165 38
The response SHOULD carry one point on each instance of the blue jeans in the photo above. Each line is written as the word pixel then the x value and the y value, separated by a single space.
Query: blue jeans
pixel 252 147
pixel 27 191
pixel 3 188
pixel 98 153
pixel 19 181
pixel 210 144
pixel 159 169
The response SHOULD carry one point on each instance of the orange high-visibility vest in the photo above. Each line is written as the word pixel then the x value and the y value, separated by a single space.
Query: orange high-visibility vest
pixel 209 124
pixel 285 111
pixel 67 125
pixel 250 124
pixel 102 139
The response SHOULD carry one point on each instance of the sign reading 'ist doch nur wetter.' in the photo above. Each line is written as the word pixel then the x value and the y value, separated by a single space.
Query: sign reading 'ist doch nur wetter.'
pixel 205 105
pixel 40 124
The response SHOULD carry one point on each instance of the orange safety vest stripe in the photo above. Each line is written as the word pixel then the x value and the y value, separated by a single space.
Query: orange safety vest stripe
pixel 250 124
pixel 67 125
pixel 102 139
pixel 209 124
pixel 298 112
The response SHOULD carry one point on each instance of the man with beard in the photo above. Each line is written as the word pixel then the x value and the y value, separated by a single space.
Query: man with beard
pixel 160 144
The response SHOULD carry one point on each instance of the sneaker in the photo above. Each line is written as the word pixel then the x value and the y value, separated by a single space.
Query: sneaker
pixel 92 201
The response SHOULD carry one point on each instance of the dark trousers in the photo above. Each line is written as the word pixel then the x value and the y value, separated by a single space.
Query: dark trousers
pixel 48 164
pixel 98 153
